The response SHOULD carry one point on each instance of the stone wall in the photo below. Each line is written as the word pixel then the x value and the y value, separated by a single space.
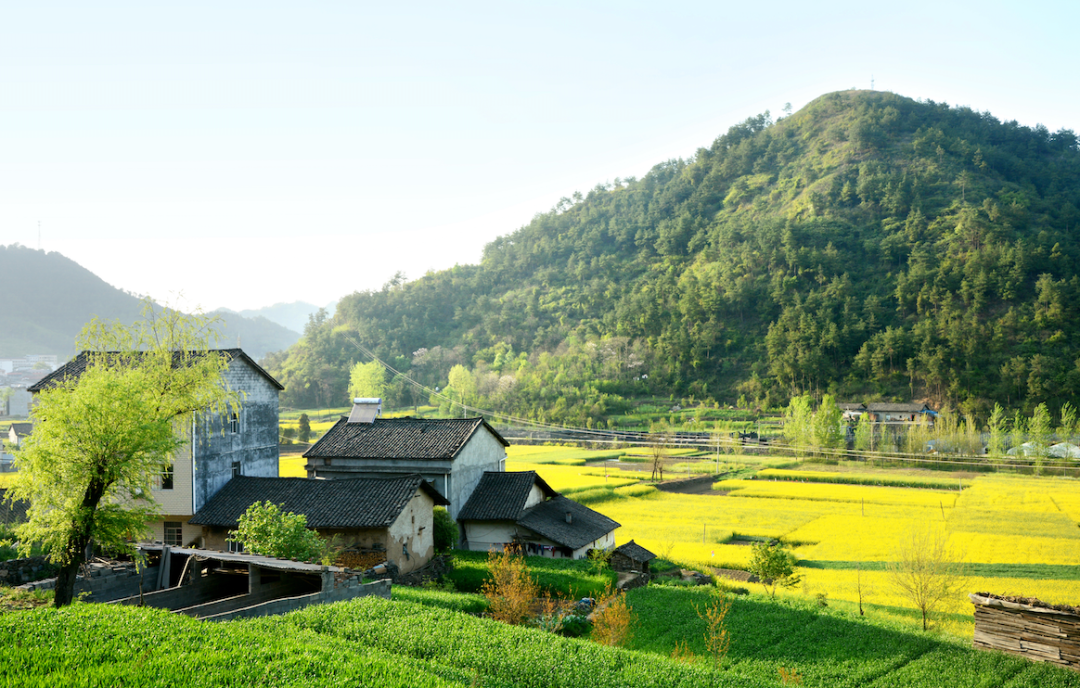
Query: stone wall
pixel 105 582
pixel 19 571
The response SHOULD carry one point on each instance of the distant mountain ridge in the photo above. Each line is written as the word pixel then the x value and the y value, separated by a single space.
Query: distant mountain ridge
pixel 48 298
pixel 295 316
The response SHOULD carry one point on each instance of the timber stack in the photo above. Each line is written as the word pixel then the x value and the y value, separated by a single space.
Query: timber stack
pixel 1028 628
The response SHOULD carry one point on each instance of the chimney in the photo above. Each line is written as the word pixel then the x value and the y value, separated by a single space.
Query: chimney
pixel 569 517
pixel 365 410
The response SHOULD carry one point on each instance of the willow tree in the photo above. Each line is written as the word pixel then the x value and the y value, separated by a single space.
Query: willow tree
pixel 106 425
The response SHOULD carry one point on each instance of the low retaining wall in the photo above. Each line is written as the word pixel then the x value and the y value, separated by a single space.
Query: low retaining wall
pixel 345 590
pixel 107 582
pixel 1028 628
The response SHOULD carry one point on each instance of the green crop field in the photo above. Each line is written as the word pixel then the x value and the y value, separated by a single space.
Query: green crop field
pixel 429 638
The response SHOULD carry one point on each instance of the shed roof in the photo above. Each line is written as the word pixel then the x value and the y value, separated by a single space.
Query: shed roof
pixel 635 551
pixel 501 496
pixel 399 438
pixel 344 503
pixel 897 408
pixel 77 366
pixel 549 520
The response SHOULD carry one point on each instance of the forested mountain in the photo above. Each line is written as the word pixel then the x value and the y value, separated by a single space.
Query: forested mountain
pixel 868 245
pixel 48 298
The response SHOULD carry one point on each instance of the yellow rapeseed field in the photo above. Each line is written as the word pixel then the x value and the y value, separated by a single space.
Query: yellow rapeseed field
pixel 1019 534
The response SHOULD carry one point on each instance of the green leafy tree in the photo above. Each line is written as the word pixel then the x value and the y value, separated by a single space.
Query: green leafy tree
pixel 265 529
pixel 445 530
pixel 828 432
pixel 864 433
pixel 367 380
pixel 996 427
pixel 774 566
pixel 304 428
pixel 101 438
pixel 798 423
pixel 1067 429
pixel 1040 432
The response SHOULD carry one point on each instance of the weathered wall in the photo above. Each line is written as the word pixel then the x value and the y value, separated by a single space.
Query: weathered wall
pixel 177 501
pixel 107 582
pixel 411 540
pixel 1029 629
pixel 19 571
pixel 255 446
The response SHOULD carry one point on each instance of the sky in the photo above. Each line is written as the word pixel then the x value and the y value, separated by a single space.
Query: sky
pixel 242 154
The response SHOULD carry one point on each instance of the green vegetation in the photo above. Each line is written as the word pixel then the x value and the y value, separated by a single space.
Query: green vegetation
pixel 869 245
pixel 565 578
pixel 882 478
pixel 422 639
pixel 266 529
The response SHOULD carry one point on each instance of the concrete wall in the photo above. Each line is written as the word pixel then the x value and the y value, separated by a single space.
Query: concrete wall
pixel 177 501
pixel 347 590
pixel 481 453
pixel 255 446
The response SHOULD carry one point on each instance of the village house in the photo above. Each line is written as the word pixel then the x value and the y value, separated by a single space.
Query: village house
pixel 391 515
pixel 881 412
pixel 631 557
pixel 520 509
pixel 18 432
pixel 450 453
pixel 217 447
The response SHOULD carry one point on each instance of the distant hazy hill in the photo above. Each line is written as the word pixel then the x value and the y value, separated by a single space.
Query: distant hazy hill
pixel 291 315
pixel 868 245
pixel 47 298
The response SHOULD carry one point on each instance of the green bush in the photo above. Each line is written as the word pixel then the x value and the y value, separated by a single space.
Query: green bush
pixel 445 530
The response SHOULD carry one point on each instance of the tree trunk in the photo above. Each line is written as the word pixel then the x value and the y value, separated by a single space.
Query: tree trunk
pixel 65 582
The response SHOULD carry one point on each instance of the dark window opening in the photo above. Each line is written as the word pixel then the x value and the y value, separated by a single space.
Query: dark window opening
pixel 236 469
pixel 174 533
pixel 166 479
pixel 234 423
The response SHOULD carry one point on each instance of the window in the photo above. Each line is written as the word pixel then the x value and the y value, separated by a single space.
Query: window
pixel 236 469
pixel 234 546
pixel 165 479
pixel 234 423
pixel 174 533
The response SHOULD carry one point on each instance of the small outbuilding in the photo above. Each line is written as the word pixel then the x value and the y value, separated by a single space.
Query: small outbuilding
pixel 631 557
pixel 520 509
pixel 389 514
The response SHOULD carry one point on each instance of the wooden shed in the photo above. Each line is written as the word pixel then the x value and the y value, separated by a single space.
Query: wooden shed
pixel 631 557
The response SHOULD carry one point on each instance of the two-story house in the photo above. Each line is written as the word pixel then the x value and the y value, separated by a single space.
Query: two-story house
pixel 216 446
pixel 450 453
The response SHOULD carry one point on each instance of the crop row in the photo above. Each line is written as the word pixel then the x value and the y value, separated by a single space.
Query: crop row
pixel 882 479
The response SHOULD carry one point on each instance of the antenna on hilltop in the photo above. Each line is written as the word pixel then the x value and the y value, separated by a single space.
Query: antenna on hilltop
pixel 871 82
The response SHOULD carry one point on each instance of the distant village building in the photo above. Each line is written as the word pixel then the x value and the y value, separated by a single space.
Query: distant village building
pixel 450 453
pixel 520 509
pixel 217 447
pixel 391 515
pixel 631 557
pixel 887 412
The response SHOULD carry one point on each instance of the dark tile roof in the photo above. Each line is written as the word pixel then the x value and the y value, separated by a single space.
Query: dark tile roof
pixel 635 551
pixel 22 429
pixel 851 406
pixel 77 366
pixel 897 408
pixel 549 520
pixel 501 496
pixel 399 438
pixel 346 503
pixel 12 513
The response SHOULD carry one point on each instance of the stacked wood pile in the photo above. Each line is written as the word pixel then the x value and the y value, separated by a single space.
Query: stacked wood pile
pixel 1029 628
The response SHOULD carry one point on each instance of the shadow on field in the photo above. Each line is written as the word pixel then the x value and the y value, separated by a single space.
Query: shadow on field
pixel 828 647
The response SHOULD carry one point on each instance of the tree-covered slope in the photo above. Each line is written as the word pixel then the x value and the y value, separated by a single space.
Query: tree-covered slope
pixel 869 245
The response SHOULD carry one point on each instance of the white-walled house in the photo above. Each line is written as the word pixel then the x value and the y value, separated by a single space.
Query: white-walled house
pixel 520 509
pixel 216 447
pixel 450 453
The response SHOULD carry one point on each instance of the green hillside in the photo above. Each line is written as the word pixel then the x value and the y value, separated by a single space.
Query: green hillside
pixel 869 245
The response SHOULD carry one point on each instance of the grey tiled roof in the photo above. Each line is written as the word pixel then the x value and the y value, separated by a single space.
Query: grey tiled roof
pixel 897 408
pixel 77 366
pixel 549 520
pixel 399 438
pixel 635 551
pixel 501 496
pixel 851 406
pixel 22 429
pixel 346 503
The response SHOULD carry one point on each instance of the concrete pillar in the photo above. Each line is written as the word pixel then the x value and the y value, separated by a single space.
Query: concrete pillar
pixel 254 578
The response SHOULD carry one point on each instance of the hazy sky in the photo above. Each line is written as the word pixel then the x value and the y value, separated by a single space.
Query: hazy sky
pixel 247 153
